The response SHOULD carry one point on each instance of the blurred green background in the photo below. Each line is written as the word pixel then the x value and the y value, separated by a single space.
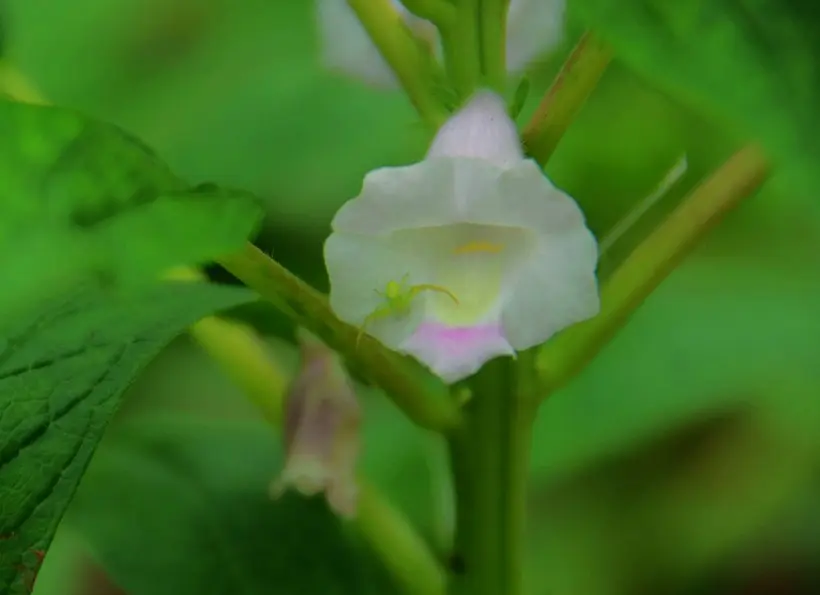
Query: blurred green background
pixel 684 460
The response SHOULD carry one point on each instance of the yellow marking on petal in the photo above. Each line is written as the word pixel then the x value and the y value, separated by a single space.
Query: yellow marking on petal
pixel 480 246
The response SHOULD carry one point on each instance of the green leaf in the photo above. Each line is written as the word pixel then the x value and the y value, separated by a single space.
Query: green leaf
pixel 79 196
pixel 62 374
pixel 207 525
pixel 751 61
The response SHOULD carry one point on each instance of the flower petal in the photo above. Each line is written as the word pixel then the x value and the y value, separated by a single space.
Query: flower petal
pixel 426 194
pixel 555 289
pixel 347 48
pixel 534 27
pixel 455 353
pixel 358 266
pixel 475 264
pixel 524 197
pixel 451 190
pixel 481 129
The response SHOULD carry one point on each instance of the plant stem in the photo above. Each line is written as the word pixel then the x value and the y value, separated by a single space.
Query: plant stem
pixel 462 51
pixel 572 86
pixel 439 12
pixel 489 454
pixel 241 354
pixel 493 41
pixel 399 546
pixel 651 262
pixel 404 53
pixel 423 398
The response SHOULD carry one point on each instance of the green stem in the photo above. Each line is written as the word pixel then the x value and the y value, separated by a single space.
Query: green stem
pixel 439 12
pixel 423 398
pixel 489 455
pixel 493 41
pixel 462 52
pixel 651 262
pixel 399 546
pixel 569 91
pixel 405 55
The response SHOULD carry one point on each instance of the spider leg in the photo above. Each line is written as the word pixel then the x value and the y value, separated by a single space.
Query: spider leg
pixel 381 312
pixel 416 289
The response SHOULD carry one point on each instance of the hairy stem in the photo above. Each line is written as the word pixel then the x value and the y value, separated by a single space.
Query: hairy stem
pixel 489 455
pixel 423 398
pixel 575 81
pixel 405 55
pixel 651 262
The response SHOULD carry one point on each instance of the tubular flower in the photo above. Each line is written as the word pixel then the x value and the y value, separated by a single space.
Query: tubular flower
pixel 468 255
pixel 321 430
pixel 534 28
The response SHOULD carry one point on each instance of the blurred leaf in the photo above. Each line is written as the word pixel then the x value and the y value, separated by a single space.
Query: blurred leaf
pixel 61 377
pixel 248 104
pixel 753 61
pixel 207 525
pixel 90 197
pixel 396 455
pixel 710 334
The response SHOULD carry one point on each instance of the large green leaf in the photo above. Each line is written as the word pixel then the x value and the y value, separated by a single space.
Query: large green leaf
pixel 62 374
pixel 79 196
pixel 206 523
pixel 752 61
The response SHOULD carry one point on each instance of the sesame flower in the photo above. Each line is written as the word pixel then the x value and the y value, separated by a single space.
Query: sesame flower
pixel 321 430
pixel 468 255
pixel 534 28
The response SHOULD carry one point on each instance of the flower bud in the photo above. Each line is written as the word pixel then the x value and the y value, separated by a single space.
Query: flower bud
pixel 321 429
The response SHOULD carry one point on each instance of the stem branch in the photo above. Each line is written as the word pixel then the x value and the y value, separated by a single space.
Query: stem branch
pixel 462 52
pixel 569 91
pixel 651 262
pixel 422 398
pixel 493 40
pixel 405 55
pixel 399 546
pixel 439 12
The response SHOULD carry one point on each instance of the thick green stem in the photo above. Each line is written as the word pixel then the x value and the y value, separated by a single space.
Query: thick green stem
pixel 405 55
pixel 493 41
pixel 421 397
pixel 462 52
pixel 489 455
pixel 576 80
pixel 651 262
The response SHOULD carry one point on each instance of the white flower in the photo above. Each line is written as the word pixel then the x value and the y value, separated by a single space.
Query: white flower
pixel 534 28
pixel 508 255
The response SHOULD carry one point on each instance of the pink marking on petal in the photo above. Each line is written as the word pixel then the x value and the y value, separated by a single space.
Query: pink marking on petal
pixel 456 352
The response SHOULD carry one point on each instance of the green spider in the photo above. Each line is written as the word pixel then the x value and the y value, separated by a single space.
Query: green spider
pixel 398 297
